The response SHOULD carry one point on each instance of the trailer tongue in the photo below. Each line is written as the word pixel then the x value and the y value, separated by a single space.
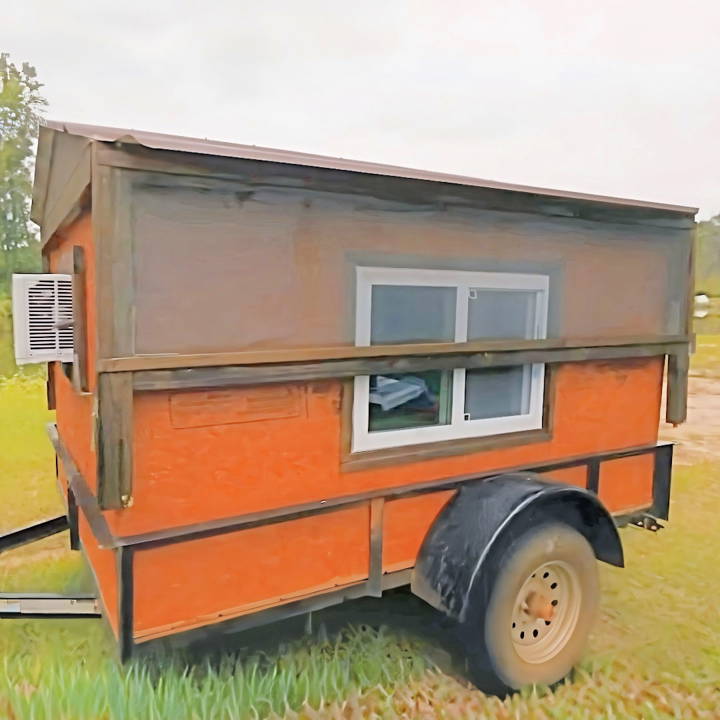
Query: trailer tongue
pixel 49 606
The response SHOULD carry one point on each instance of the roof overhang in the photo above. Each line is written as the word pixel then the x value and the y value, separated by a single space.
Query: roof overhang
pixel 177 143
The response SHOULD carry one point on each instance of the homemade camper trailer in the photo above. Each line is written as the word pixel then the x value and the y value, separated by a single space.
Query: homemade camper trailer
pixel 291 380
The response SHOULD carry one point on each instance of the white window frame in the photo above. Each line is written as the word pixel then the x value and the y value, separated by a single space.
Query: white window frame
pixel 459 427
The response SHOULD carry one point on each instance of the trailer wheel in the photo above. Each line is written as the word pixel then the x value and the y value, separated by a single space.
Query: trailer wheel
pixel 529 615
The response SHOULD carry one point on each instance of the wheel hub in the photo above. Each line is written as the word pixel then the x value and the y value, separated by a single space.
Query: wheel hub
pixel 546 611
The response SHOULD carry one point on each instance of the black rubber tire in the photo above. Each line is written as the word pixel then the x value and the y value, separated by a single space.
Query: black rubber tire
pixel 492 661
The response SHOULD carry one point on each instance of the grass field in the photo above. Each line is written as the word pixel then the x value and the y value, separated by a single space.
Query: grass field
pixel 654 654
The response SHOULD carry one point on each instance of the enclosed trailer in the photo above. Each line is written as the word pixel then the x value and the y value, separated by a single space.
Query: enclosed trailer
pixel 297 380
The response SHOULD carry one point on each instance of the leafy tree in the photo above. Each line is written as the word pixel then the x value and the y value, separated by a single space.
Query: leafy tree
pixel 20 106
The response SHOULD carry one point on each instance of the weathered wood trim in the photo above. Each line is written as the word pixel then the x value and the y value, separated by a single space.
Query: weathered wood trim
pixel 318 507
pixel 346 412
pixel 678 370
pixel 80 359
pixel 73 199
pixel 84 497
pixel 408 190
pixel 114 262
pixel 354 352
pixel 41 183
pixel 372 459
pixel 102 227
pixel 88 503
pixel 114 440
pixel 258 368
pixel 369 459
pixel 690 309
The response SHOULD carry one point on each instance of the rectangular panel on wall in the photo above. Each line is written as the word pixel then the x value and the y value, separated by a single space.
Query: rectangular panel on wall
pixel 406 523
pixel 243 405
pixel 627 483
pixel 221 269
pixel 197 582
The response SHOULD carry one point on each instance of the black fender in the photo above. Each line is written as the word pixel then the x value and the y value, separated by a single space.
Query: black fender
pixel 459 542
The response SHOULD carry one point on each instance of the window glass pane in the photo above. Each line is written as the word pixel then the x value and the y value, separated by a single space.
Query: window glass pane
pixel 409 313
pixel 501 314
pixel 409 400
pixel 499 392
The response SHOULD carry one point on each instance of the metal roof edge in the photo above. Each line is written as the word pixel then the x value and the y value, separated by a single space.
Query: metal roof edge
pixel 179 143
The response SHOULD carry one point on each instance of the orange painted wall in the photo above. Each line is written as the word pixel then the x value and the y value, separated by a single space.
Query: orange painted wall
pixel 199 472
pixel 202 455
pixel 405 524
pixel 74 411
pixel 202 581
pixel 205 455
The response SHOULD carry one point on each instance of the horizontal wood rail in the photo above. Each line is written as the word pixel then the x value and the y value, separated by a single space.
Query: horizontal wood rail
pixel 376 360
pixel 136 363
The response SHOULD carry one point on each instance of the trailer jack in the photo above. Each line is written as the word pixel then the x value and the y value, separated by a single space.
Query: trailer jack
pixel 43 605
pixel 647 522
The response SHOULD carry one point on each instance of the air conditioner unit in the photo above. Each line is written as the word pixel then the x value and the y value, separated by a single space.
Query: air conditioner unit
pixel 42 318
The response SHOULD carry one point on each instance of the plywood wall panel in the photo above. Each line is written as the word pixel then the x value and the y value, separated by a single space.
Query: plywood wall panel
pixel 74 410
pixel 205 580
pixel 221 270
pixel 193 474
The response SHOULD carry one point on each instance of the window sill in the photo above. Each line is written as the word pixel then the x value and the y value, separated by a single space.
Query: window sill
pixel 369 459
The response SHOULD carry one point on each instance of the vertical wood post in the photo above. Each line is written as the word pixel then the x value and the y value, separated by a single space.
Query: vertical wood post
pixel 114 440
pixel 80 360
pixel 677 387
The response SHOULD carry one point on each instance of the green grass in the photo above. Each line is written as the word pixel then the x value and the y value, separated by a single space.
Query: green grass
pixel 654 654
pixel 66 672
pixel 67 669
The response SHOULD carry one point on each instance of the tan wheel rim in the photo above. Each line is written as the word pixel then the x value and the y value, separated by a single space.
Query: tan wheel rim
pixel 546 612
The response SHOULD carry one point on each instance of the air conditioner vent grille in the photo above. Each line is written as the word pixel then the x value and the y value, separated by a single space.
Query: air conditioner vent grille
pixel 42 318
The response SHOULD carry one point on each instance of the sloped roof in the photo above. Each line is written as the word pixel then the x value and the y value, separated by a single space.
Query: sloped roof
pixel 201 146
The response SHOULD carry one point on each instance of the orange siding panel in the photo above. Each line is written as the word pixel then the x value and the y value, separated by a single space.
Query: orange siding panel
pixel 406 521
pixel 202 472
pixel 74 421
pixel 626 483
pixel 74 411
pixel 202 581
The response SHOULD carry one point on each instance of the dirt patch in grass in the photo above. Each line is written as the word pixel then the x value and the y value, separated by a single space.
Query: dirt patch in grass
pixel 698 439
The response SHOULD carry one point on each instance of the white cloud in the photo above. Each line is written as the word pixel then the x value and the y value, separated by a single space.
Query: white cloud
pixel 612 97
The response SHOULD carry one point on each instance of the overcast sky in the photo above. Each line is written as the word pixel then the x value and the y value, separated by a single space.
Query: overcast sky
pixel 620 97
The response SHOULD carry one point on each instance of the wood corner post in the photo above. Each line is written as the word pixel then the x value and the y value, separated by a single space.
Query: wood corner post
pixel 677 387
pixel 114 441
